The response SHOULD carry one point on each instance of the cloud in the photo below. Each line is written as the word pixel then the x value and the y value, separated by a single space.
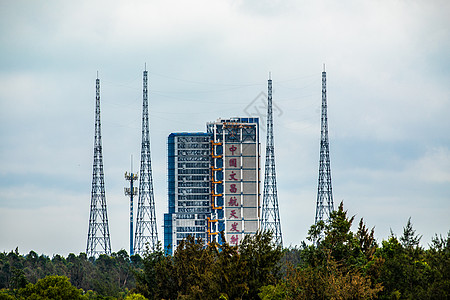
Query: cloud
pixel 388 102
pixel 433 167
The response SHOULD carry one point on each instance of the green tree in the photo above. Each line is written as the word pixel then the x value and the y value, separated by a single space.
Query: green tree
pixel 410 240
pixel 230 271
pixel 18 279
pixel 211 272
pixel 261 258
pixel 339 264
pixel 405 273
pixel 195 268
pixel 5 295
pixel 155 280
pixel 438 258
pixel 335 239
pixel 135 297
pixel 51 287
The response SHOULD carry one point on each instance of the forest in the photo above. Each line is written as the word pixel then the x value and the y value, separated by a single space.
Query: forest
pixel 335 262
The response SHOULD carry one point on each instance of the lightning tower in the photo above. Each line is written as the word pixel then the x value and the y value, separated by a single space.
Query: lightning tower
pixel 98 241
pixel 146 232
pixel 270 214
pixel 324 192
pixel 131 191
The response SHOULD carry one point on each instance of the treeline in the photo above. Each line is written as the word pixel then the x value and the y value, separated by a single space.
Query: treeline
pixel 105 276
pixel 342 264
pixel 337 263
pixel 214 272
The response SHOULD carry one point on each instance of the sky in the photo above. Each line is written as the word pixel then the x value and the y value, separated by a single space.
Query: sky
pixel 388 91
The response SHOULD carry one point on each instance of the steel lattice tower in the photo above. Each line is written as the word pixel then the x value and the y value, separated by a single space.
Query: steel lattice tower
pixel 324 192
pixel 270 213
pixel 98 241
pixel 146 231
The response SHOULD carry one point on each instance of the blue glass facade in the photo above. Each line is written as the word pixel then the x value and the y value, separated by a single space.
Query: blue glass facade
pixel 188 180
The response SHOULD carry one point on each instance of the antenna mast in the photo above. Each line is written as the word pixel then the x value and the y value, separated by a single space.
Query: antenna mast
pixel 98 241
pixel 324 192
pixel 146 231
pixel 131 191
pixel 270 213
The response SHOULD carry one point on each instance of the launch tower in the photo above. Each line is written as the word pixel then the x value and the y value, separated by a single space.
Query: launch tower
pixel 270 214
pixel 146 231
pixel 98 241
pixel 324 192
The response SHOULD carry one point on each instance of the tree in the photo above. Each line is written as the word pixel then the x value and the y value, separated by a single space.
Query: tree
pixel 438 258
pixel 409 239
pixel 194 269
pixel 149 278
pixel 406 272
pixel 135 297
pixel 335 238
pixel 211 272
pixel 338 265
pixel 51 287
pixel 18 279
pixel 231 272
pixel 261 257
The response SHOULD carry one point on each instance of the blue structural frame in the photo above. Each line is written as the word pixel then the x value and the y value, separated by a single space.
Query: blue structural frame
pixel 171 171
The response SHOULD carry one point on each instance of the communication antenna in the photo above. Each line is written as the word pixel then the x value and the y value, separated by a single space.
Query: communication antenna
pixel 131 192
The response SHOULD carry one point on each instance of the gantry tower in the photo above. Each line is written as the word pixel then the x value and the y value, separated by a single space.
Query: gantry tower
pixel 270 214
pixel 324 192
pixel 98 241
pixel 146 231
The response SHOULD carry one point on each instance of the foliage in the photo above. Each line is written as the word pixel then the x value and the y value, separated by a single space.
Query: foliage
pixel 339 263
pixel 336 266
pixel 51 287
pixel 105 276
pixel 135 297
pixel 409 239
pixel 261 257
pixel 410 271
pixel 212 272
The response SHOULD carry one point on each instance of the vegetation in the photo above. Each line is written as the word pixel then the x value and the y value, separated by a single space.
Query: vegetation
pixel 195 272
pixel 341 264
pixel 338 263
pixel 107 276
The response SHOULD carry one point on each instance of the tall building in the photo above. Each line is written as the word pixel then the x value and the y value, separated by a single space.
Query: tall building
pixel 189 187
pixel 235 179
pixel 214 183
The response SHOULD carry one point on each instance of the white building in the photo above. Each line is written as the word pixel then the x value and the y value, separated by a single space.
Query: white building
pixel 214 183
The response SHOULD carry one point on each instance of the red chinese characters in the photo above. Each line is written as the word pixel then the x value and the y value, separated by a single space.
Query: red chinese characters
pixel 233 202
pixel 233 188
pixel 232 149
pixel 234 227
pixel 232 162
pixel 234 239
pixel 233 214
pixel 233 176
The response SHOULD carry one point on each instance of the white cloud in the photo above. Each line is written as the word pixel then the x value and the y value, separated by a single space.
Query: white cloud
pixel 433 167
pixel 388 102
